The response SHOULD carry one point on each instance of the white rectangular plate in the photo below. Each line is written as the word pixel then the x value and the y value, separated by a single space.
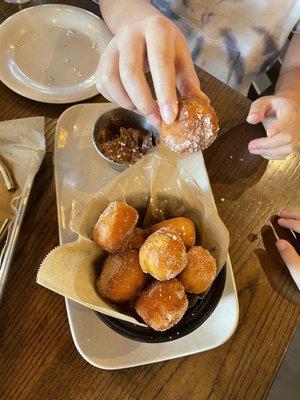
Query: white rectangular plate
pixel 79 174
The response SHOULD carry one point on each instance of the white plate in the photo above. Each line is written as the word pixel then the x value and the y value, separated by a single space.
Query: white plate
pixel 79 174
pixel 50 52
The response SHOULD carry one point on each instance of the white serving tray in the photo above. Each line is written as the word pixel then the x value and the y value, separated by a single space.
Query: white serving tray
pixel 79 174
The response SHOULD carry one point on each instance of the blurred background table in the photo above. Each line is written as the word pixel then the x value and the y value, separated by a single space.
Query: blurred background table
pixel 38 359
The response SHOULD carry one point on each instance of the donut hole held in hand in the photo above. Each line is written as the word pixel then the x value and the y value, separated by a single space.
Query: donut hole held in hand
pixel 195 127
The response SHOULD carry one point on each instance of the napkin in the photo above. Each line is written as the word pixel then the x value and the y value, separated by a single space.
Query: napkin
pixel 22 148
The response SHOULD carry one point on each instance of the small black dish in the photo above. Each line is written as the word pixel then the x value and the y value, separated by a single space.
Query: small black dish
pixel 193 318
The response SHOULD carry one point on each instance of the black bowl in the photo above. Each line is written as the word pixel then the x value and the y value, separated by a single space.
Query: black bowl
pixel 193 318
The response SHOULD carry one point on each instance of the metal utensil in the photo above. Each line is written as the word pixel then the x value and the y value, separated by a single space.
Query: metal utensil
pixel 12 236
pixel 7 176
pixel 4 229
pixel 121 118
pixel 17 1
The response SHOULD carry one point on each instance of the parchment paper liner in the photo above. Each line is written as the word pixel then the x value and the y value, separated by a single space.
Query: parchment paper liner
pixel 163 189
pixel 22 147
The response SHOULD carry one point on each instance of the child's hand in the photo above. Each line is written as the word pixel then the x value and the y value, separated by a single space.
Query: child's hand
pixel 283 134
pixel 155 42
pixel 290 220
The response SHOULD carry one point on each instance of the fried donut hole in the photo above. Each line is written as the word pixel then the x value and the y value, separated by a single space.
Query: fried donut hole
pixel 183 226
pixel 162 304
pixel 200 271
pixel 115 227
pixel 121 278
pixel 163 254
pixel 137 239
pixel 195 128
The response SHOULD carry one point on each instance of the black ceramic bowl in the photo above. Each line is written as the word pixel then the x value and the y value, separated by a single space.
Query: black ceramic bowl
pixel 193 318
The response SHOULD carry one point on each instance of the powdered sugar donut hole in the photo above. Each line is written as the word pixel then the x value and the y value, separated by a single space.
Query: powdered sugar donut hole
pixel 195 128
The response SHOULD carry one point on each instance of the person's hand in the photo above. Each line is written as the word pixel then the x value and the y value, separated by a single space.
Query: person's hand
pixel 153 43
pixel 283 134
pixel 290 220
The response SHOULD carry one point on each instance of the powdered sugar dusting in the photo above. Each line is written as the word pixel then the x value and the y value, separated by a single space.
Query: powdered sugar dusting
pixel 200 271
pixel 121 277
pixel 115 226
pixel 162 304
pixel 183 226
pixel 195 129
pixel 163 254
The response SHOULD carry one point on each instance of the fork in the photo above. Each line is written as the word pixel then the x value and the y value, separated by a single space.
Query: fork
pixel 12 236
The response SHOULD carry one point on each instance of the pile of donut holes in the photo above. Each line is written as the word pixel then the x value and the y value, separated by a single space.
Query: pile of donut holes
pixel 153 268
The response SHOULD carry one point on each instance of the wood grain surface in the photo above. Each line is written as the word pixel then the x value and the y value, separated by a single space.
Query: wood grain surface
pixel 38 360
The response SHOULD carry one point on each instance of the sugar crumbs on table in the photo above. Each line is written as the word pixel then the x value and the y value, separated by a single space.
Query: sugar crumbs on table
pixel 242 159
pixel 222 199
pixel 259 203
pixel 230 156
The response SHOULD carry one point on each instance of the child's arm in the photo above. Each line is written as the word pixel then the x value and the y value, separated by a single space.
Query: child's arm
pixel 290 220
pixel 284 133
pixel 118 13
pixel 288 84
pixel 145 39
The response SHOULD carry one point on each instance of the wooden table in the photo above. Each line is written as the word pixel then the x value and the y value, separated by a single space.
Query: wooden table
pixel 38 360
